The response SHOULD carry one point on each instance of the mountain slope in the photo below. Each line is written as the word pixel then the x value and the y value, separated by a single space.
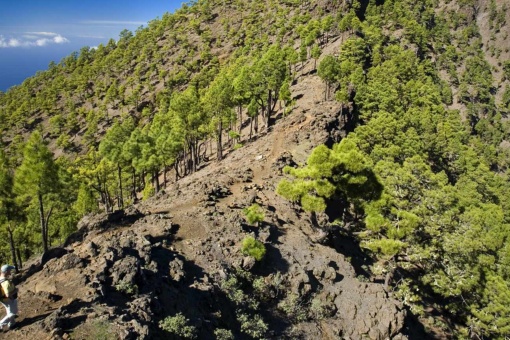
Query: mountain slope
pixel 182 251
pixel 413 192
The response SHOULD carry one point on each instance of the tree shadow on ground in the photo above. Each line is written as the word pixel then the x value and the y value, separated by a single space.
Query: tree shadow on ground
pixel 29 321
pixel 204 304
pixel 201 298
pixel 415 330
pixel 273 262
pixel 349 247
pixel 275 234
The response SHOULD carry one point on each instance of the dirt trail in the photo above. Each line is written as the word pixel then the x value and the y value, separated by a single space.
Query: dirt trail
pixel 261 163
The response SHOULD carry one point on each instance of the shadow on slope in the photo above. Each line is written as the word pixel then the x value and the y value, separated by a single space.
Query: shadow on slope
pixel 202 299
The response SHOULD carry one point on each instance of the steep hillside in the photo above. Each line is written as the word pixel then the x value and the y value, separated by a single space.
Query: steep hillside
pixel 180 252
pixel 291 169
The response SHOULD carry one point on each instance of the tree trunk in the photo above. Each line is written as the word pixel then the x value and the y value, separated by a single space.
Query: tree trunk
pixel 313 219
pixel 120 199
pixel 99 189
pixel 153 181
pixel 43 225
pixel 191 157
pixel 251 127
pixel 20 262
pixel 108 199
pixel 219 142
pixel 133 179
pixel 229 138
pixel 240 120
pixel 157 187
pixel 12 245
pixel 103 200
pixel 196 156
pixel 389 276
pixel 269 109
pixel 165 169
pixel 47 223
pixel 176 168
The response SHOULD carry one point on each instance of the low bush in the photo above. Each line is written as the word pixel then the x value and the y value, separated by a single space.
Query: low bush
pixel 254 214
pixel 127 288
pixel 254 326
pixel 223 334
pixel 179 325
pixel 253 248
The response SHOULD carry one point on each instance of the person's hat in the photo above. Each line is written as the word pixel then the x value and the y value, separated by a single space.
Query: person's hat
pixel 6 268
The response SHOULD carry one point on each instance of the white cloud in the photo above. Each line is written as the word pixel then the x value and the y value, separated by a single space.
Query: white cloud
pixel 41 42
pixel 9 42
pixel 49 34
pixel 59 39
pixel 31 39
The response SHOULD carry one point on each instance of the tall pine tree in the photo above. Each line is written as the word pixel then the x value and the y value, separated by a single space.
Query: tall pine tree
pixel 37 177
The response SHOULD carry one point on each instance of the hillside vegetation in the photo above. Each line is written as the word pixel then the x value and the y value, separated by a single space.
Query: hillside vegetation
pixel 420 177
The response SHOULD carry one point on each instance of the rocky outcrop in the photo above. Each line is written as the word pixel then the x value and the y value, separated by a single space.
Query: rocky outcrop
pixel 135 279
pixel 103 221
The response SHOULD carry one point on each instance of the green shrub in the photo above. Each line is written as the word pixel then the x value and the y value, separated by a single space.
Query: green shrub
pixel 234 290
pixel 223 334
pixel 506 68
pixel 231 286
pixel 253 326
pixel 254 214
pixel 253 248
pixel 321 308
pixel 293 307
pixel 178 325
pixel 127 288
pixel 317 309
pixel 267 288
pixel 148 191
pixel 64 142
pixel 260 287
pixel 234 135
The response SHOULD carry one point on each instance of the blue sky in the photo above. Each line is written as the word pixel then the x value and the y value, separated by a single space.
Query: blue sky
pixel 33 33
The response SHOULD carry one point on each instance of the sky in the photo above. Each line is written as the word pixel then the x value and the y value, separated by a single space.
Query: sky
pixel 35 32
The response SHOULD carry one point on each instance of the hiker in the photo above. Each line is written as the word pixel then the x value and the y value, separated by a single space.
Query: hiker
pixel 9 295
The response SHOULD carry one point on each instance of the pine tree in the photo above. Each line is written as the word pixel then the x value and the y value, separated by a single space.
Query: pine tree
pixel 217 100
pixel 190 123
pixel 37 177
pixel 9 211
pixel 342 172
pixel 111 147
pixel 328 70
